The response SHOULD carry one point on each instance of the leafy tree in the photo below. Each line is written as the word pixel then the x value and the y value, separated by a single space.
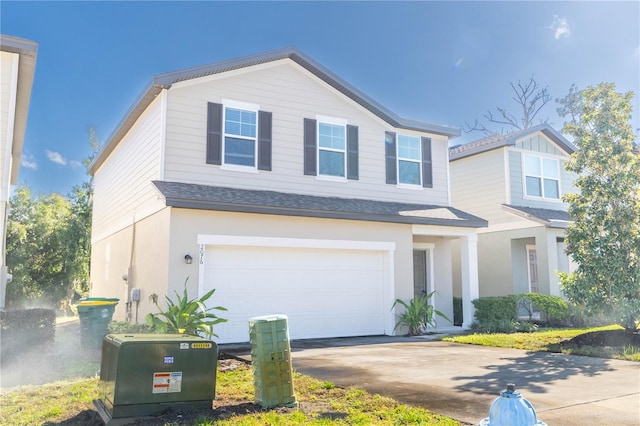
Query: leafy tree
pixel 49 243
pixel 604 238
pixel 530 98
pixel 37 253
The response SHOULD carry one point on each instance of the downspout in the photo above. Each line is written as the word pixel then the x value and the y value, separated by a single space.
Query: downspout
pixel 130 270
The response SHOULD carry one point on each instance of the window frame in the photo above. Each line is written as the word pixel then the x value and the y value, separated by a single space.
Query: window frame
pixel 332 121
pixel 399 183
pixel 244 107
pixel 541 177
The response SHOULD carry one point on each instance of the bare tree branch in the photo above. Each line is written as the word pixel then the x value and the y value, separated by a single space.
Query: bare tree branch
pixel 529 97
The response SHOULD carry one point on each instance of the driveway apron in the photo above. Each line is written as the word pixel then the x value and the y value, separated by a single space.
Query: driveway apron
pixel 461 381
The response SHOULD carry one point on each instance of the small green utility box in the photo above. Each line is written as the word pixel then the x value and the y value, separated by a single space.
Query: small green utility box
pixel 271 361
pixel 143 374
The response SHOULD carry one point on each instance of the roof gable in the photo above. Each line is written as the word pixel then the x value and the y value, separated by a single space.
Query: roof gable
pixel 166 80
pixel 499 141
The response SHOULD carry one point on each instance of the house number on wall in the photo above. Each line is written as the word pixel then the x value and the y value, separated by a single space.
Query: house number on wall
pixel 202 254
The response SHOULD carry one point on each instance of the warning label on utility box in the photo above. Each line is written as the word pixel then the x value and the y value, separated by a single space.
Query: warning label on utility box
pixel 167 382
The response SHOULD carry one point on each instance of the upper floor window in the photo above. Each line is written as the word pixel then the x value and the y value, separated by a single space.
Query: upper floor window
pixel 409 160
pixel 331 149
pixel 240 137
pixel 542 177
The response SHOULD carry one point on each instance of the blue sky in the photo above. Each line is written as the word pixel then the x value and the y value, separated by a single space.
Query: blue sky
pixel 440 62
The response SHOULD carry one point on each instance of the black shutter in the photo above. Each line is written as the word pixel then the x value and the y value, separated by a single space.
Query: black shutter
pixel 214 133
pixel 390 157
pixel 352 152
pixel 427 166
pixel 264 140
pixel 310 155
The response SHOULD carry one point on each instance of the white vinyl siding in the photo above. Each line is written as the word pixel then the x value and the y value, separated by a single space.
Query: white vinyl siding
pixel 9 63
pixel 291 94
pixel 478 185
pixel 537 143
pixel 122 185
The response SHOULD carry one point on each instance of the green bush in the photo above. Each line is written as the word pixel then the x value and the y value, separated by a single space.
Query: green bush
pixel 491 309
pixel 418 314
pixel 554 309
pixel 122 327
pixel 26 329
pixel 185 316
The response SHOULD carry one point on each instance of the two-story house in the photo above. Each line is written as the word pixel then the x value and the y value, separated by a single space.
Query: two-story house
pixel 17 68
pixel 516 181
pixel 278 184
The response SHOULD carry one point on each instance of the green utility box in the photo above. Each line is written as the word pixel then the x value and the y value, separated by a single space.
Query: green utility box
pixel 142 374
pixel 271 361
pixel 95 315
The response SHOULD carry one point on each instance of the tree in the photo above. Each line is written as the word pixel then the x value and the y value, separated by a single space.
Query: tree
pixel 604 238
pixel 37 249
pixel 529 97
pixel 49 243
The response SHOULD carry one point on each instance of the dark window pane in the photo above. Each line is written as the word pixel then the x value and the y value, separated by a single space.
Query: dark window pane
pixel 239 151
pixel 331 163
pixel 409 172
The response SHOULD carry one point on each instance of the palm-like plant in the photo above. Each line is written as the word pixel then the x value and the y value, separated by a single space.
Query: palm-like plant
pixel 418 314
pixel 185 316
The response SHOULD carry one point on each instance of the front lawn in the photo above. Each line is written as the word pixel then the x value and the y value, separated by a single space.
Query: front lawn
pixel 320 403
pixel 557 340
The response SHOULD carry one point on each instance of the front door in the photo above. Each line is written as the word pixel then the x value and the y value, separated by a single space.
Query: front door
pixel 532 264
pixel 420 272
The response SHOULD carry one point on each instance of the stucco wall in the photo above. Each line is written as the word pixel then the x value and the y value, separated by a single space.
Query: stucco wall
pixel 141 253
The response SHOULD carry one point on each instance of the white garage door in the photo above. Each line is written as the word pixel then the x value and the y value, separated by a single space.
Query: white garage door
pixel 324 292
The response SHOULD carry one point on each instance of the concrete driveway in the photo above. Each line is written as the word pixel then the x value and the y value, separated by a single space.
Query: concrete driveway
pixel 461 381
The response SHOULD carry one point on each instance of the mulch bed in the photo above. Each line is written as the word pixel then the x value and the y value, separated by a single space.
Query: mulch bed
pixel 619 338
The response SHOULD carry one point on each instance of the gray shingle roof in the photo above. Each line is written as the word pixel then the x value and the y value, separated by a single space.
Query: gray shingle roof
pixel 509 139
pixel 193 196
pixel 165 81
pixel 552 218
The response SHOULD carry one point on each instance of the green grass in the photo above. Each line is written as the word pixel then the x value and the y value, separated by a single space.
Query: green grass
pixel 549 341
pixel 321 403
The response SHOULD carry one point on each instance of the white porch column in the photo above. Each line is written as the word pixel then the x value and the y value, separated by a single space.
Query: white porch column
pixel 469 276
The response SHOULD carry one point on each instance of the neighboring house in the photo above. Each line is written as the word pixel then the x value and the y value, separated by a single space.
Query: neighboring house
pixel 17 67
pixel 290 191
pixel 516 181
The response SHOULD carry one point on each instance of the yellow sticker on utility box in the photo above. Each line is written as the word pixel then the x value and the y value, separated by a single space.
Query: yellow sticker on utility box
pixel 200 345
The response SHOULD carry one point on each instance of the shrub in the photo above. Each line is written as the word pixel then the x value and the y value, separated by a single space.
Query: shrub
pixel 185 316
pixel 123 327
pixel 418 314
pixel 554 308
pixel 490 309
pixel 26 329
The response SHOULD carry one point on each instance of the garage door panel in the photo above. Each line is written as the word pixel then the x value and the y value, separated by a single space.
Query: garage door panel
pixel 324 292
